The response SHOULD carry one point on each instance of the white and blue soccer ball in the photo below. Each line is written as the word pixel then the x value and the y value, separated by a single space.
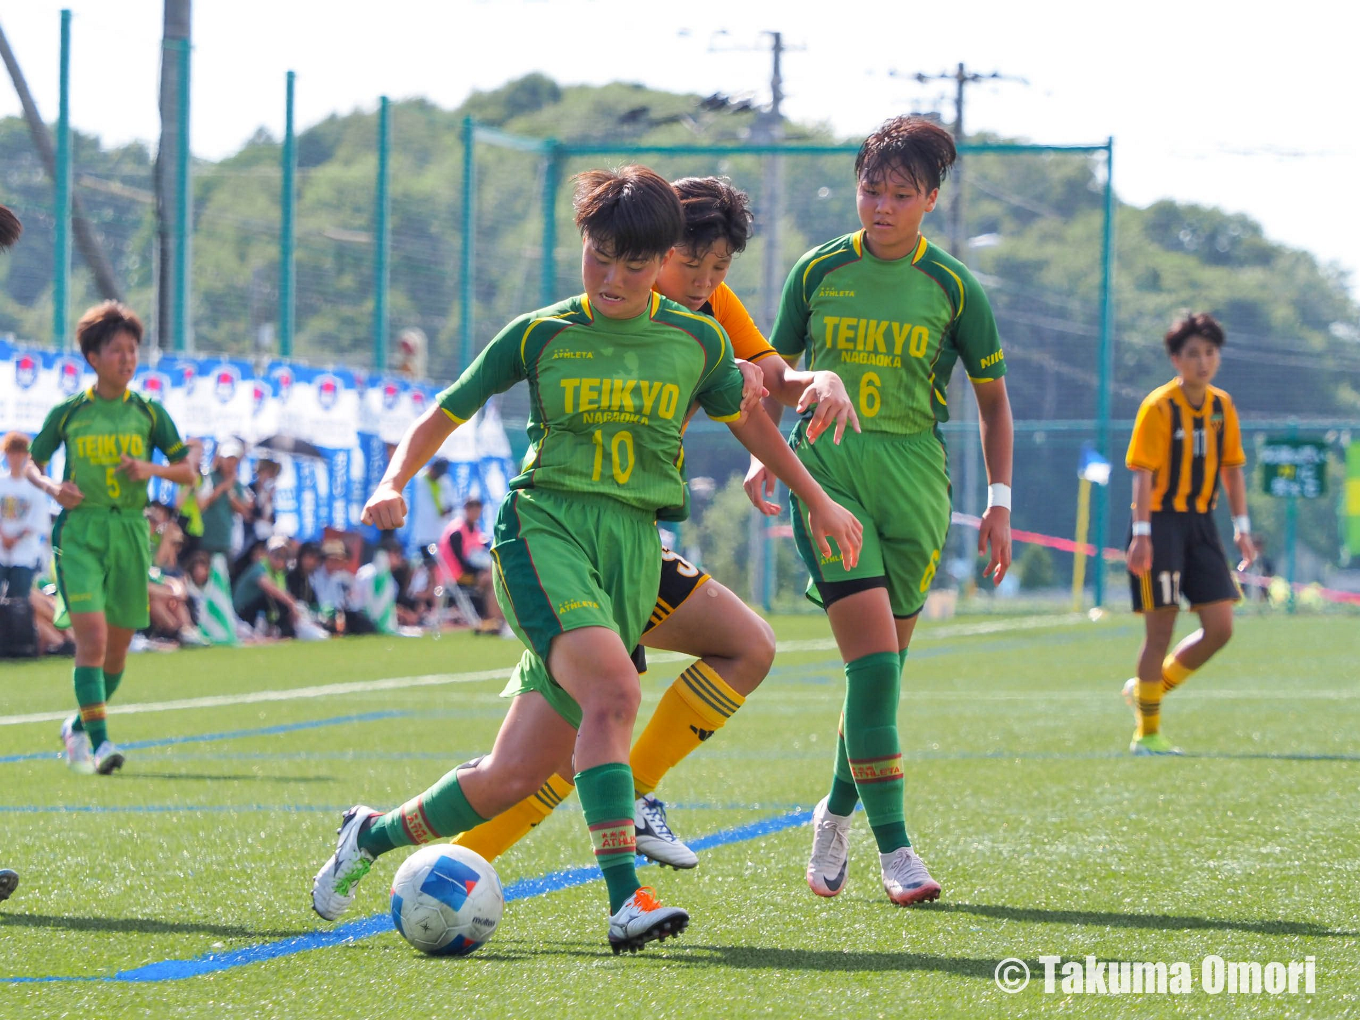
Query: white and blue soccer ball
pixel 446 900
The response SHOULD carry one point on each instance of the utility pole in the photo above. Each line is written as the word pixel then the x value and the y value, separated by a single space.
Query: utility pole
pixel 770 128
pixel 958 247
pixel 172 192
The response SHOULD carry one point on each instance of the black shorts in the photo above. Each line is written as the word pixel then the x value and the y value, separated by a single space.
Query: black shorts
pixel 679 580
pixel 1187 559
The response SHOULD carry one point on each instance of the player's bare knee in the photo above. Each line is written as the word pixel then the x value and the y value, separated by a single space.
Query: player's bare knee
pixel 613 702
pixel 757 654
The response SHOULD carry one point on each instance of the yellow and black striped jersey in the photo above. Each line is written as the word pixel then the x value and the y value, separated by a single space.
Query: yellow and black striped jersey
pixel 1184 446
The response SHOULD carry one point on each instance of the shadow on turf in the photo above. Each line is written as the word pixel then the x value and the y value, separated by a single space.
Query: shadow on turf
pixel 141 926
pixel 1161 922
pixel 232 776
pixel 757 958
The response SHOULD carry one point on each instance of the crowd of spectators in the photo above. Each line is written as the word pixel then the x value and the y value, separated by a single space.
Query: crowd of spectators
pixel 265 585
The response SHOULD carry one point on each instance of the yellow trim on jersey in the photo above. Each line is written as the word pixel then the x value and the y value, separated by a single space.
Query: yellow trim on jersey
pixel 656 303
pixel 89 392
pixel 819 258
pixel 857 240
pixel 456 420
pixel 956 280
pixel 585 307
pixel 920 250
pixel 728 417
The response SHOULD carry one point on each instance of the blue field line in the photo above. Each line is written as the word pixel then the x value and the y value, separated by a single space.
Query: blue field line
pixel 211 963
pixel 171 809
pixel 826 672
pixel 260 731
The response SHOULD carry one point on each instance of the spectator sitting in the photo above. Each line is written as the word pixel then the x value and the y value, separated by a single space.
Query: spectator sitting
pixel 259 521
pixel 407 610
pixel 262 589
pixel 24 520
pixel 469 548
pixel 222 500
pixel 190 514
pixel 331 583
pixel 300 575
pixel 432 503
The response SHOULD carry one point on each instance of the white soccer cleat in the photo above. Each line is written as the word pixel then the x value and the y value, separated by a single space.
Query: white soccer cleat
pixel 830 860
pixel 333 886
pixel 905 878
pixel 643 919
pixel 77 743
pixel 107 758
pixel 654 837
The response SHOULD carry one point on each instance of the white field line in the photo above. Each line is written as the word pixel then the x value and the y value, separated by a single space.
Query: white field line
pixel 440 679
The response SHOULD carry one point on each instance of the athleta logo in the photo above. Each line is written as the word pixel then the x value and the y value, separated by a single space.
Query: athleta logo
pixel 877 770
pixel 829 292
pixel 570 604
pixel 611 838
pixel 414 821
pixel 573 354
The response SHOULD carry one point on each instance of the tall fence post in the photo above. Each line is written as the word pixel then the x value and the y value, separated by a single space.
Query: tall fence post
pixel 287 239
pixel 1106 377
pixel 552 174
pixel 469 236
pixel 61 249
pixel 380 240
pixel 182 231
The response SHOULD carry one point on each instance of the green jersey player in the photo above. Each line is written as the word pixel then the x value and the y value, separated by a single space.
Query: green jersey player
pixel 101 542
pixel 891 314
pixel 576 555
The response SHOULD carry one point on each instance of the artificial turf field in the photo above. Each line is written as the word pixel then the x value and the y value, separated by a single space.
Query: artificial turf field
pixel 181 886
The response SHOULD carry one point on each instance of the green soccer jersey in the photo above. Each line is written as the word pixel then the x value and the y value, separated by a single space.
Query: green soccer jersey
pixel 891 330
pixel 97 434
pixel 608 397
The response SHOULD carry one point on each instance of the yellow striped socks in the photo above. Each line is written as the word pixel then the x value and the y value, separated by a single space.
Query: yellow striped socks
pixel 691 711
pixel 492 838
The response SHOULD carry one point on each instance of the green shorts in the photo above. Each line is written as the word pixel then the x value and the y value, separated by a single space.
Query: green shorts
pixel 102 556
pixel 898 487
pixel 569 560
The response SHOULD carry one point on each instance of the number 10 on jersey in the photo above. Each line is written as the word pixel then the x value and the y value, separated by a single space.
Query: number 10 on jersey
pixel 620 455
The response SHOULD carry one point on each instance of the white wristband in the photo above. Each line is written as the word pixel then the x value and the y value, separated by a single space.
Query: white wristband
pixel 999 494
pixel 1142 528
pixel 1241 525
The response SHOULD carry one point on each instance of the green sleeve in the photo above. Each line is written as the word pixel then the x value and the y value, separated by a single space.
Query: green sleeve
pixel 50 436
pixel 975 335
pixel 789 336
pixel 499 366
pixel 164 435
pixel 719 392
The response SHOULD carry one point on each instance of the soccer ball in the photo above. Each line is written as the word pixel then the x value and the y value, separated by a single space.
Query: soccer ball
pixel 446 900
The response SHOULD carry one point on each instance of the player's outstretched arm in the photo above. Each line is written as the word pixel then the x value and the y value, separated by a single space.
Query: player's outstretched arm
pixel 386 508
pixel 800 390
pixel 826 518
pixel 998 446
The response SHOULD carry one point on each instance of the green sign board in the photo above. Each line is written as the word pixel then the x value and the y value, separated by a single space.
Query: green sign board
pixel 1294 467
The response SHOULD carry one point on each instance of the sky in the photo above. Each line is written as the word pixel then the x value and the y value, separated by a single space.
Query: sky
pixel 1249 108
